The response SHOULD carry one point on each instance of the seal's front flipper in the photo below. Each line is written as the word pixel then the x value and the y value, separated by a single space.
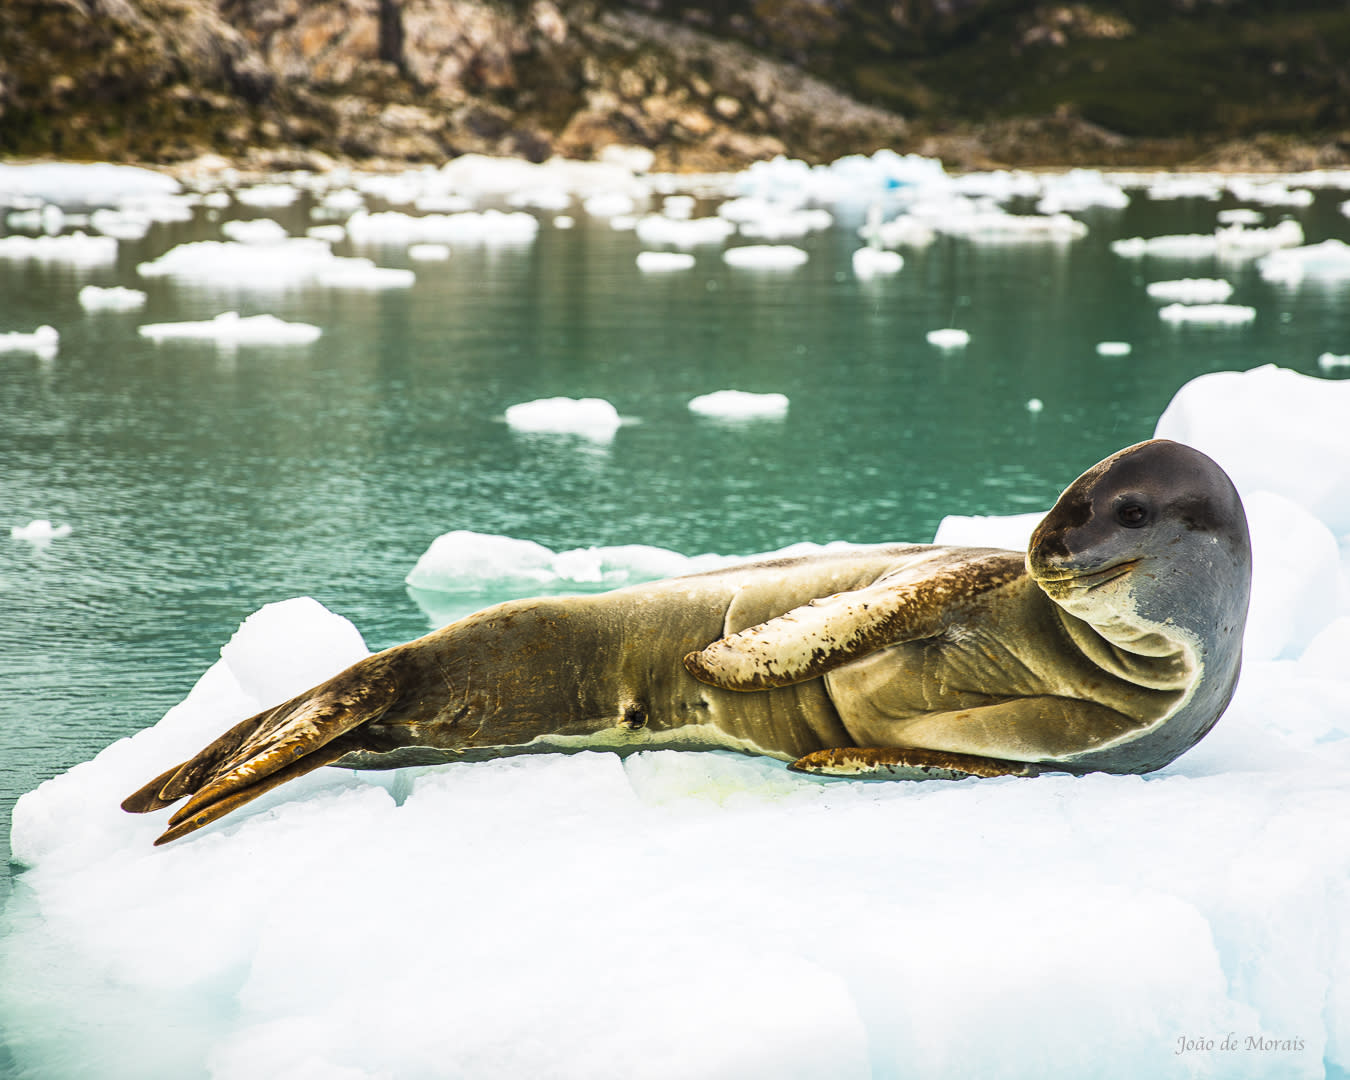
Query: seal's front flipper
pixel 833 630
pixel 269 749
pixel 905 763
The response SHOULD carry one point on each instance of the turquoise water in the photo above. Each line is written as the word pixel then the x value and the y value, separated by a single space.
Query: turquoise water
pixel 202 484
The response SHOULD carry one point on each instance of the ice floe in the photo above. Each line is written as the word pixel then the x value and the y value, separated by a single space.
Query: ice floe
pixel 1191 290
pixel 1230 241
pixel 1327 261
pixel 948 338
pixel 74 249
pixel 663 261
pixel 593 418
pixel 268 195
pixel 658 229
pixel 1114 348
pixel 466 227
pixel 869 262
pixel 70 183
pixel 1330 361
pixel 739 405
pixel 39 531
pixel 230 328
pixel 765 256
pixel 1223 314
pixel 44 341
pixel 111 298
pixel 291 263
pixel 254 231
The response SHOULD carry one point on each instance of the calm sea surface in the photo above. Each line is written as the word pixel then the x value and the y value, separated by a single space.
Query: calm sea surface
pixel 202 484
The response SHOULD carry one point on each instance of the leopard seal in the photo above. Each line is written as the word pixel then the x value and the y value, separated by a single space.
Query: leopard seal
pixel 1113 644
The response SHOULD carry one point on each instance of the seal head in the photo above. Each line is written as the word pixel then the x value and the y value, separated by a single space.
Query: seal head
pixel 1150 549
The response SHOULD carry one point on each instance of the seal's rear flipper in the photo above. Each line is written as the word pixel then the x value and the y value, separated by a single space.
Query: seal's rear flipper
pixel 269 749
pixel 905 763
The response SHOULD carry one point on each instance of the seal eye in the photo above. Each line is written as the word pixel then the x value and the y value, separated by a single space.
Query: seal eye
pixel 1132 515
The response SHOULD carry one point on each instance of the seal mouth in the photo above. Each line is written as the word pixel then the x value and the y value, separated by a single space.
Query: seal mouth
pixel 1089 580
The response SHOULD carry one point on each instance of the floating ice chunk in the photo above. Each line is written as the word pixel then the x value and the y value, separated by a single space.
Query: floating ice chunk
pixel 230 329
pixel 1239 241
pixel 1174 186
pixel 342 201
pixel 114 298
pixel 564 221
pixel 120 224
pixel 268 195
pixel 679 207
pixel 397 188
pixel 623 222
pixel 39 531
pixel 1035 405
pixel 429 252
pixel 1226 314
pixel 789 225
pixel 660 261
pixel 1329 260
pixel 1233 241
pixel 468 563
pixel 467 227
pixel 975 530
pixel 984 222
pixel 49 219
pixel 1329 361
pixel 635 159
pixel 255 231
pixel 907 230
pixel 76 249
pixel 329 234
pixel 167 209
pixel 949 338
pixel 1241 215
pixel 593 418
pixel 96 184
pixel 478 176
pixel 610 204
pixel 739 405
pixel 555 199
pixel 1113 348
pixel 765 256
pixel 442 203
pixel 1001 185
pixel 658 229
pixel 1269 193
pixel 1241 420
pixel 43 341
pixel 1192 290
pixel 869 261
pixel 292 263
pixel 1080 189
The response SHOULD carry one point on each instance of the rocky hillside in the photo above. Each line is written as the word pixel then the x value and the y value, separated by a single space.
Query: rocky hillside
pixel 705 85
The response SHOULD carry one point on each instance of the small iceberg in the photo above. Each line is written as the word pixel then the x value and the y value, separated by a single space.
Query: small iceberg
pixel 870 261
pixel 113 298
pixel 739 405
pixel 591 418
pixel 765 256
pixel 682 233
pixel 1328 261
pixel 268 195
pixel 429 252
pixel 949 338
pixel 1191 290
pixel 229 329
pixel 39 531
pixel 1114 348
pixel 254 231
pixel 1330 361
pixel 43 341
pixel 657 262
pixel 1218 314
pixel 76 249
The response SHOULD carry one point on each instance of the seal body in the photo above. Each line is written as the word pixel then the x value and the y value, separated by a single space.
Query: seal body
pixel 1113 644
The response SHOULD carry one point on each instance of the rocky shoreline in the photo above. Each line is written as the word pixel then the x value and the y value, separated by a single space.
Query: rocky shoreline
pixel 275 84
